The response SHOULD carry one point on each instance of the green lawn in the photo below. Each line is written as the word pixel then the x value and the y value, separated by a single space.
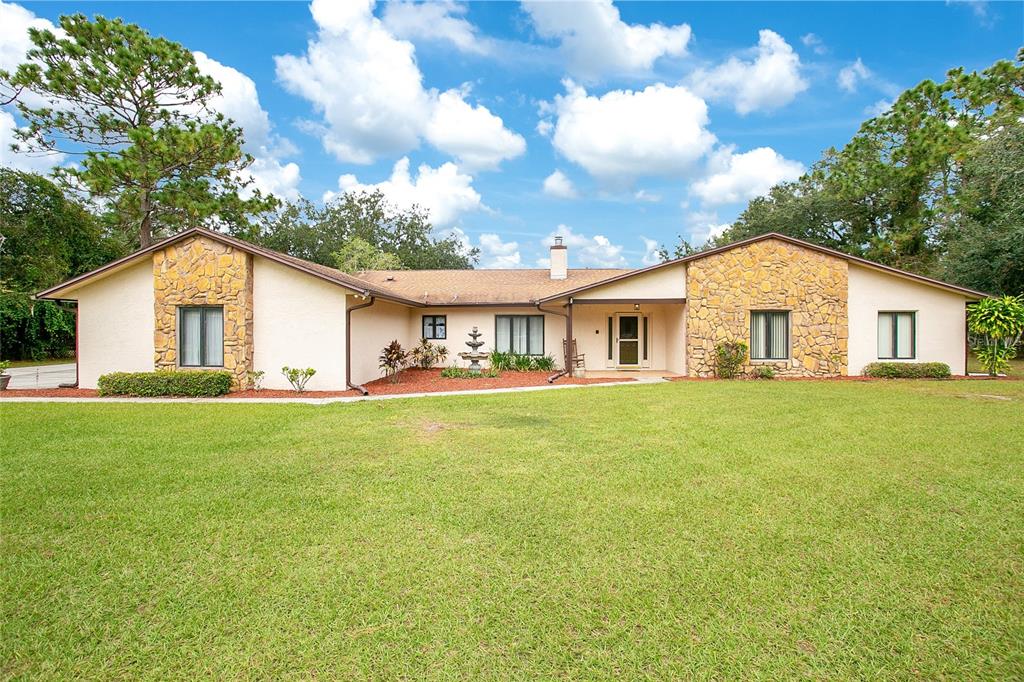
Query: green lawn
pixel 703 529
pixel 1016 366
pixel 38 363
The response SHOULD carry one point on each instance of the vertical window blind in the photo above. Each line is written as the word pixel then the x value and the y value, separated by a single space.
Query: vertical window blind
pixel 522 334
pixel 896 336
pixel 201 336
pixel 769 335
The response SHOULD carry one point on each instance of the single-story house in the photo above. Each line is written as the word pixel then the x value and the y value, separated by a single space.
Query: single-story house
pixel 201 299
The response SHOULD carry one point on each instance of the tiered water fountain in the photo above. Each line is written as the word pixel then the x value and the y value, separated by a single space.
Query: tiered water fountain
pixel 474 356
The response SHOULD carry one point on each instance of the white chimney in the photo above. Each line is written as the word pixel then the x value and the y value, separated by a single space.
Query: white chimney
pixel 559 259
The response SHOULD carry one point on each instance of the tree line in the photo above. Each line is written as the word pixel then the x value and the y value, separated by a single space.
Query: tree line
pixel 934 185
pixel 149 156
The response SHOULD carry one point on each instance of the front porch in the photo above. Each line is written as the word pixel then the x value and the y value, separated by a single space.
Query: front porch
pixel 628 338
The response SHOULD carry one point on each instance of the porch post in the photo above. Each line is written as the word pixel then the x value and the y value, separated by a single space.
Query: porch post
pixel 568 336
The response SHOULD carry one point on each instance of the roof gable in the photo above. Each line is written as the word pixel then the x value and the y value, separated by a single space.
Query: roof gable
pixel 308 267
pixel 963 291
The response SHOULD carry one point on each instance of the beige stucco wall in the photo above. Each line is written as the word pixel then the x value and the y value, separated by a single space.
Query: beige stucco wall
pixel 665 327
pixel 769 275
pixel 298 321
pixel 372 329
pixel 940 318
pixel 664 282
pixel 462 320
pixel 115 324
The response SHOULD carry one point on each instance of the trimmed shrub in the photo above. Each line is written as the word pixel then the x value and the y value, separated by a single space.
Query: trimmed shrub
pixel 763 372
pixel 908 370
pixel 729 357
pixel 191 384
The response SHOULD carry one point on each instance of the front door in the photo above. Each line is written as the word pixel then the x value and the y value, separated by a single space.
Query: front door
pixel 629 341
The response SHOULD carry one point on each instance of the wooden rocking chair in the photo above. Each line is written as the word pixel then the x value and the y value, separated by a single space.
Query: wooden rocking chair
pixel 575 360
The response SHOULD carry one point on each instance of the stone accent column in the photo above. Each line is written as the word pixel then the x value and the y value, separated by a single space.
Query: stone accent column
pixel 204 271
pixel 722 289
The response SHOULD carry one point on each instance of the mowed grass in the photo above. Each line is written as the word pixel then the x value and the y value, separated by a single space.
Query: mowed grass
pixel 712 530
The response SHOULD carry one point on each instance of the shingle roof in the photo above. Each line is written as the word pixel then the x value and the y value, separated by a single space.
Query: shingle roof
pixel 473 287
pixel 468 287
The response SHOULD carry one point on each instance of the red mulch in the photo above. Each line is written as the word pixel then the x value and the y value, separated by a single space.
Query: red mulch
pixel 410 381
pixel 49 393
pixel 431 381
pixel 850 378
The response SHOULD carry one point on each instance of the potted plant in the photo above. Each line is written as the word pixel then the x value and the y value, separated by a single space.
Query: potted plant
pixel 5 378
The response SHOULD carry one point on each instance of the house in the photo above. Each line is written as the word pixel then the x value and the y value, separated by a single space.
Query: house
pixel 201 299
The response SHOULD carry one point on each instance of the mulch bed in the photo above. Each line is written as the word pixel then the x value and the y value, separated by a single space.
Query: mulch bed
pixel 848 378
pixel 430 380
pixel 410 381
pixel 49 393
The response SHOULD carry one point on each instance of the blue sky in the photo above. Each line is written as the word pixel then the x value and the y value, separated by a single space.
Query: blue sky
pixel 619 126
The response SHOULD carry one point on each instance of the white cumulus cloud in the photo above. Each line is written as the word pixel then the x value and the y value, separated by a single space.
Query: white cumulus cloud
pixel 588 252
pixel 31 163
pixel 740 177
pixel 651 256
pixel 624 134
pixel 444 192
pixel 769 80
pixel 365 84
pixel 495 253
pixel 559 185
pixel 15 21
pixel 704 225
pixel 240 102
pixel 597 43
pixel 814 42
pixel 440 20
pixel 472 134
pixel 851 75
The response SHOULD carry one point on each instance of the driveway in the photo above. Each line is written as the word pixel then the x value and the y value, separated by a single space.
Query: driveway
pixel 42 376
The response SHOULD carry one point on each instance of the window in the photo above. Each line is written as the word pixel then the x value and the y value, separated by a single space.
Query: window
pixel 769 335
pixel 435 326
pixel 896 336
pixel 201 336
pixel 523 334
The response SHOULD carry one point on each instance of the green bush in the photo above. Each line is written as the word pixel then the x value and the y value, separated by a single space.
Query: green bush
pixel 544 363
pixel 908 370
pixel 729 357
pixel 463 373
pixel 500 360
pixel 516 362
pixel 763 372
pixel 192 384
pixel 298 377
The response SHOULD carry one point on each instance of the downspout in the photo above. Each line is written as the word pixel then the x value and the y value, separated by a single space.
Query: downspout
pixel 348 346
pixel 568 340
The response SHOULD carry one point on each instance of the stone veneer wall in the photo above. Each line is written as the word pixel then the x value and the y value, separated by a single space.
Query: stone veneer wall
pixel 723 288
pixel 201 271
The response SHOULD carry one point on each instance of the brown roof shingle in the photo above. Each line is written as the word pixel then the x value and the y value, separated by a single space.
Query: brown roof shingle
pixel 466 287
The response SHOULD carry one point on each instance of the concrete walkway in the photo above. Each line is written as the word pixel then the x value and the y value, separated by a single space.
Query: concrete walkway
pixel 327 401
pixel 42 376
